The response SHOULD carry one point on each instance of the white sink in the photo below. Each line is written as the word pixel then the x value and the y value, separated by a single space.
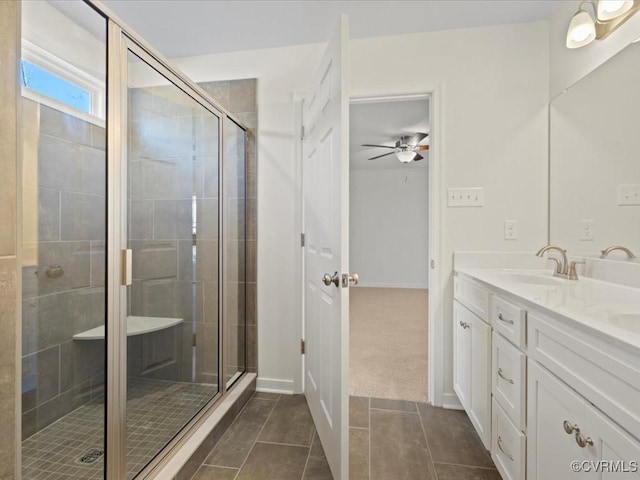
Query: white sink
pixel 530 278
pixel 628 321
pixel 626 317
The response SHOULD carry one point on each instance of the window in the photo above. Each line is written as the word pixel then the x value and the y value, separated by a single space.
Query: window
pixel 42 81
pixel 52 81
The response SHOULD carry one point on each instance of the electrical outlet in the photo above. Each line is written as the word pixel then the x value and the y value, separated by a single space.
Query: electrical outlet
pixel 586 230
pixel 510 229
pixel 465 197
pixel 628 194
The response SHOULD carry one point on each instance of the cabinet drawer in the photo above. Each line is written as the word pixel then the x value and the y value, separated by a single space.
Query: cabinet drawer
pixel 472 296
pixel 508 445
pixel 609 377
pixel 509 320
pixel 509 379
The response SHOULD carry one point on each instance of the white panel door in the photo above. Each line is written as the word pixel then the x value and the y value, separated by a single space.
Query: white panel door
pixel 326 214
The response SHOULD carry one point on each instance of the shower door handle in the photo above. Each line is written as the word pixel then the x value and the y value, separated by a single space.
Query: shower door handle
pixel 126 266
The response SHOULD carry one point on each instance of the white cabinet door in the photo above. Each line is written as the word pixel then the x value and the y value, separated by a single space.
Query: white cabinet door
pixel 462 319
pixel 550 449
pixel 471 369
pixel 326 214
pixel 479 410
pixel 617 453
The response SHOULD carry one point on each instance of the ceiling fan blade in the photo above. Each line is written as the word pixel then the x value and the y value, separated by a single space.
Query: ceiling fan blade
pixel 380 156
pixel 420 147
pixel 381 146
pixel 417 138
pixel 417 157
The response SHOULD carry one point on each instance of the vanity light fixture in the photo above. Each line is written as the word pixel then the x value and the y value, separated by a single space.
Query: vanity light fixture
pixel 610 9
pixel 405 156
pixel 582 29
pixel 609 15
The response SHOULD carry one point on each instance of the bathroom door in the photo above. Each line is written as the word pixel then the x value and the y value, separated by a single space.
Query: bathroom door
pixel 326 210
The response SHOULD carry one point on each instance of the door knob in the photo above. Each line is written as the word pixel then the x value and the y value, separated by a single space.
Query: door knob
pixel 351 277
pixel 329 279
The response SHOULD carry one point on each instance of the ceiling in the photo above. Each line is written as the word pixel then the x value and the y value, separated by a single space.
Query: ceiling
pixel 383 123
pixel 180 28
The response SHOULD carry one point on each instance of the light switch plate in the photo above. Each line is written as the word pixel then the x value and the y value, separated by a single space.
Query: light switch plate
pixel 465 197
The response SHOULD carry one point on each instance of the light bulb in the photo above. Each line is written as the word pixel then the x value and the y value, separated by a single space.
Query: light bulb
pixel 610 9
pixel 582 30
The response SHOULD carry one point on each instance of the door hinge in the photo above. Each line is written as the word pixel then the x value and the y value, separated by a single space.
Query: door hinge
pixel 302 240
pixel 302 133
pixel 302 347
pixel 433 264
pixel 193 341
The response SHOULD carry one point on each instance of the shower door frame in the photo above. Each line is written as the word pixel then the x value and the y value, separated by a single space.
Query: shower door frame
pixel 120 40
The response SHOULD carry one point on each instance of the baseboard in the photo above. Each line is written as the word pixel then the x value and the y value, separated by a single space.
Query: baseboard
pixel 274 385
pixel 392 285
pixel 451 402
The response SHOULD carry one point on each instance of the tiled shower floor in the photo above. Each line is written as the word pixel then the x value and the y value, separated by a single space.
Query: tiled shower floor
pixel 156 411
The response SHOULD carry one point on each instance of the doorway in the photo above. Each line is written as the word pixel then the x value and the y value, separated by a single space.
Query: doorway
pixel 389 248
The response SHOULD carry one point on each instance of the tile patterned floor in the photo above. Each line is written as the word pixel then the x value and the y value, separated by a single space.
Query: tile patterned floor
pixel 53 452
pixel 274 438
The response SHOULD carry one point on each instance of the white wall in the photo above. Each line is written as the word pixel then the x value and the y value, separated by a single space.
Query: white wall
pixel 492 91
pixel 568 66
pixel 389 227
pixel 490 130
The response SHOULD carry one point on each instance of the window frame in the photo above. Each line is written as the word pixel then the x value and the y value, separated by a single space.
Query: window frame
pixel 45 60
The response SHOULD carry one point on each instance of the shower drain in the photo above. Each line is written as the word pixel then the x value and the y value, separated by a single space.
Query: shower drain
pixel 90 456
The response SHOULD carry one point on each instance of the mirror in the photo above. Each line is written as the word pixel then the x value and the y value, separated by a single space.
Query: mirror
pixel 594 170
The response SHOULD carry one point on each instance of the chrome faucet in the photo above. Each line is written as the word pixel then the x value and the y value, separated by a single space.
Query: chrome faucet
pixel 562 266
pixel 607 251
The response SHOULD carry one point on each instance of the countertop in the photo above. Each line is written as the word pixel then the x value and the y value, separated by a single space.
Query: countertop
pixel 609 310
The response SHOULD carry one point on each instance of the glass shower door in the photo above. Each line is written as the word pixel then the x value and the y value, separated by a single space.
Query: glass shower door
pixel 235 247
pixel 172 229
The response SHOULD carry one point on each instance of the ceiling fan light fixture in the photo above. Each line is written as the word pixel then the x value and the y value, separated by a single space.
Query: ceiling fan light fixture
pixel 610 9
pixel 582 30
pixel 406 156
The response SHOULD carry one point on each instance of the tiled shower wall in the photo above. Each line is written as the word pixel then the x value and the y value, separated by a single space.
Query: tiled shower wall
pixel 64 197
pixel 239 98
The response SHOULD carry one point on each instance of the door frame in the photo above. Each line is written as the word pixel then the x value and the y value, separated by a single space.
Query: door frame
pixel 435 321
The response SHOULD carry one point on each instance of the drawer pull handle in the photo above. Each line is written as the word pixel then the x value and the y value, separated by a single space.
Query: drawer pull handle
pixel 502 376
pixel 464 324
pixel 505 320
pixel 570 428
pixel 582 441
pixel 509 456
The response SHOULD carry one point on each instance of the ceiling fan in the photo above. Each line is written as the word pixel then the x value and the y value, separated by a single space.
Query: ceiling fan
pixel 406 148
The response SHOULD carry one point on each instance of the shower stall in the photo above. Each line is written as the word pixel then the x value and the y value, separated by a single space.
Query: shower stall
pixel 134 243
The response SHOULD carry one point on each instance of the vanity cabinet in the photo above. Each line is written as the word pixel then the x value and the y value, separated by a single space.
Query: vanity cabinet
pixel 472 358
pixel 544 392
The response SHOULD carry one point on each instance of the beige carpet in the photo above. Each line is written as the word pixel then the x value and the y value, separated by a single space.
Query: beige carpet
pixel 388 343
